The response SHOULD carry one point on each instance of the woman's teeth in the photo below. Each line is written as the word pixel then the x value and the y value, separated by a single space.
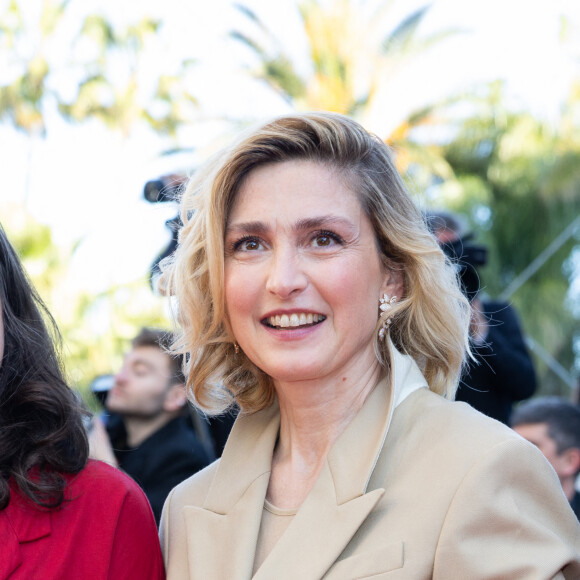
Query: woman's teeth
pixel 294 320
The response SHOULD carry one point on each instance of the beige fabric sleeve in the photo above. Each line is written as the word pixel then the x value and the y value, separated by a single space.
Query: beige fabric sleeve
pixel 509 519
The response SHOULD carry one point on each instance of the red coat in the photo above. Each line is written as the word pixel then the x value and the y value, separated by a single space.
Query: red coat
pixel 106 531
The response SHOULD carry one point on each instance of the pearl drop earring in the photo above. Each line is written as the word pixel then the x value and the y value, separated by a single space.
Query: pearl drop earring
pixel 385 304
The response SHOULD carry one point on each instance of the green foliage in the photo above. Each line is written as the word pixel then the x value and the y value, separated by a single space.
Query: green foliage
pixel 96 328
pixel 121 104
pixel 517 181
pixel 99 50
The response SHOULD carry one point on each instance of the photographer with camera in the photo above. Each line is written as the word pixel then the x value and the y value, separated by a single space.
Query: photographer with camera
pixel 502 372
pixel 166 189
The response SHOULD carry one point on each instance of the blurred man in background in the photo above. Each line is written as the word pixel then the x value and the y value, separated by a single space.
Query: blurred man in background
pixel 502 372
pixel 149 427
pixel 553 425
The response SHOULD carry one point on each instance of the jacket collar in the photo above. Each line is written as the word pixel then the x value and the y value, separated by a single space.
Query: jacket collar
pixel 20 522
pixel 335 508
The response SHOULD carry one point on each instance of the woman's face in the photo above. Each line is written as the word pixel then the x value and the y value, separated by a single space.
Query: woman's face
pixel 303 276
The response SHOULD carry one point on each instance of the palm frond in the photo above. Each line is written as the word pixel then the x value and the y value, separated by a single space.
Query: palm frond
pixel 248 13
pixel 249 42
pixel 280 74
pixel 403 35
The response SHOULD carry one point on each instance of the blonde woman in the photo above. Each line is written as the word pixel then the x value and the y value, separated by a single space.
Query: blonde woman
pixel 311 294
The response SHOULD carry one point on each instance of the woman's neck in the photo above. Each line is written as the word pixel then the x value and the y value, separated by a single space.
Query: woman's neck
pixel 313 416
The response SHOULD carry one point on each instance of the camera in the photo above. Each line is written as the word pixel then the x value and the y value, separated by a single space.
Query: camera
pixel 100 387
pixel 160 190
pixel 164 188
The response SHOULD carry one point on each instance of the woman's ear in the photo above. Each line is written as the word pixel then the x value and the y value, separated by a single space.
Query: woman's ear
pixel 394 283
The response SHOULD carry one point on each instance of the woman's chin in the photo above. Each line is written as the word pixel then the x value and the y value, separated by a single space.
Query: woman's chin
pixel 295 373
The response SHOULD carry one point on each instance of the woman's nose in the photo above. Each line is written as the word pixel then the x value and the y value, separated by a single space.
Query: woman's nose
pixel 286 275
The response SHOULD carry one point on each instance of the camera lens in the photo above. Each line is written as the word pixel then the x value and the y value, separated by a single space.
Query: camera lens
pixel 153 190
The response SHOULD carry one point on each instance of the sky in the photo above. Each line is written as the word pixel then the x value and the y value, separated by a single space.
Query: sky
pixel 86 181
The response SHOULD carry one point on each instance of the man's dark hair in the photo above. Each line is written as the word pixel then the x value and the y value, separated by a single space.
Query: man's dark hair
pixel 561 416
pixel 42 436
pixel 162 340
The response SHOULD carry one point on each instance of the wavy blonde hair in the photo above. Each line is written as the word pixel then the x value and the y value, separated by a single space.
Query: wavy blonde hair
pixel 430 322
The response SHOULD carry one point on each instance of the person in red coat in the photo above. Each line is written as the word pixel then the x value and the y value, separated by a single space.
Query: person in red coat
pixel 62 516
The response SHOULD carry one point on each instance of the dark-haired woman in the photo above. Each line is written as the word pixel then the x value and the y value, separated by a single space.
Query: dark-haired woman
pixel 62 516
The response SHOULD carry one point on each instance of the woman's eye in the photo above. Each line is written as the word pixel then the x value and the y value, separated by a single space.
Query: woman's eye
pixel 248 245
pixel 325 239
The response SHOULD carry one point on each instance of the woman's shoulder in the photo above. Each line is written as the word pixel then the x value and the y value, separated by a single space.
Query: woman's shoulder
pixel 468 450
pixel 120 501
pixel 99 479
pixel 96 472
pixel 193 490
pixel 451 423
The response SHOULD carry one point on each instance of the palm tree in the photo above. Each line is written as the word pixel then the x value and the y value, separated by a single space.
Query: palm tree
pixel 28 89
pixel 121 104
pixel 352 62
pixel 518 181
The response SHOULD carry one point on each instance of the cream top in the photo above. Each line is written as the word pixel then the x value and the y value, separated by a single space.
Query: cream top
pixel 273 525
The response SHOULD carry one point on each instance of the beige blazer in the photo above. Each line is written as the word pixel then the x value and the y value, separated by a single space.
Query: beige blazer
pixel 423 489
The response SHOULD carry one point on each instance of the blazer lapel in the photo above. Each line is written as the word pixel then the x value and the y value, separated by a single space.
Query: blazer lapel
pixel 338 503
pixel 318 534
pixel 223 545
pixel 222 534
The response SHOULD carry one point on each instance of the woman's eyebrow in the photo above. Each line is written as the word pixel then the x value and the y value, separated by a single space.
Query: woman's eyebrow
pixel 255 227
pixel 324 221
